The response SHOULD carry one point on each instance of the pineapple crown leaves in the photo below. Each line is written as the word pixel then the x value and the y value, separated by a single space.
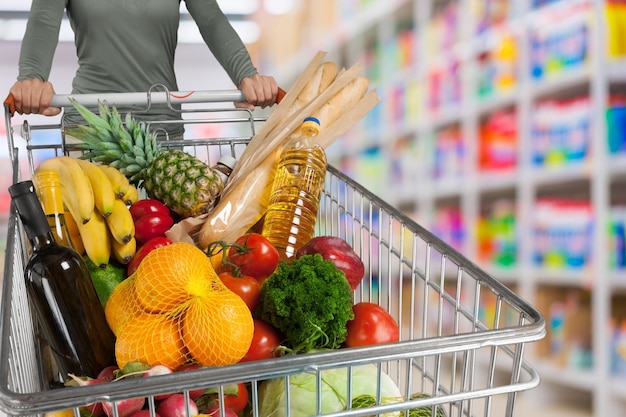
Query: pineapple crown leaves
pixel 125 144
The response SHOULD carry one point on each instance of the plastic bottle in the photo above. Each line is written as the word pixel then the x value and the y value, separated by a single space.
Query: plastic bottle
pixel 224 167
pixel 292 211
pixel 49 193
pixel 62 294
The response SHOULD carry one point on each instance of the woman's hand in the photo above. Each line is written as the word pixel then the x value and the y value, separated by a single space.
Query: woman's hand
pixel 34 96
pixel 259 90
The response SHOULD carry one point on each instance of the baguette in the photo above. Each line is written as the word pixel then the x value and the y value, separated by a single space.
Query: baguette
pixel 321 79
pixel 342 101
pixel 323 76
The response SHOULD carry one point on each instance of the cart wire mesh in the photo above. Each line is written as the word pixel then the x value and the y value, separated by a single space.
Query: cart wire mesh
pixel 463 334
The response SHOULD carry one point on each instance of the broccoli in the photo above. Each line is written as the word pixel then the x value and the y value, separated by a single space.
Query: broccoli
pixel 310 301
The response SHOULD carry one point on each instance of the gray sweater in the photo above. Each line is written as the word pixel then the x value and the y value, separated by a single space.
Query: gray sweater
pixel 127 45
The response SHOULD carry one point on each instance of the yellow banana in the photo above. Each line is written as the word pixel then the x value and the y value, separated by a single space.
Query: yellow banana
pixel 118 180
pixel 75 186
pixel 72 229
pixel 96 239
pixel 103 194
pixel 120 223
pixel 124 252
pixel 131 196
pixel 68 412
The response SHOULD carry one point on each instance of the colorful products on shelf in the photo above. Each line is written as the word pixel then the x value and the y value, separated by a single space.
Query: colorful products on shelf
pixel 617 237
pixel 559 40
pixel 568 316
pixel 491 12
pixel 449 225
pixel 498 142
pixel 497 240
pixel 399 49
pixel 496 68
pixel 562 233
pixel 616 124
pixel 442 30
pixel 449 153
pixel 444 86
pixel 561 131
pixel 617 357
pixel 616 23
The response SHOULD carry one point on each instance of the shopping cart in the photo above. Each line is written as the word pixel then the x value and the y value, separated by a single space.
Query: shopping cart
pixel 462 333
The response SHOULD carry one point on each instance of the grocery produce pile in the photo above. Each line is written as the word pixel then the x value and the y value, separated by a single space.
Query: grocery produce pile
pixel 184 285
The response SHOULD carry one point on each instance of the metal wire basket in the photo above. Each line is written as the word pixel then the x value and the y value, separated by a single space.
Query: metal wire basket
pixel 462 333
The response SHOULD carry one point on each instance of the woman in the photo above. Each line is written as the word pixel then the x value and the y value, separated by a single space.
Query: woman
pixel 128 46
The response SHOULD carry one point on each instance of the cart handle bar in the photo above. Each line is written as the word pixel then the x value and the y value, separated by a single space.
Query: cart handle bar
pixel 142 98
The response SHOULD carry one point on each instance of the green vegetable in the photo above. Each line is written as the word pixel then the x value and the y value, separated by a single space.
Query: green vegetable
pixel 425 411
pixel 105 279
pixel 334 389
pixel 309 301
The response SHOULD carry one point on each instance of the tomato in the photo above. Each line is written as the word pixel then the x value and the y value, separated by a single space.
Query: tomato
pixel 238 402
pixel 148 206
pixel 152 225
pixel 247 287
pixel 371 325
pixel 265 341
pixel 254 255
pixel 146 248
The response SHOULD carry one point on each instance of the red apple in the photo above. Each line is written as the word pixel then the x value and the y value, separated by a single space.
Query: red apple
pixel 339 252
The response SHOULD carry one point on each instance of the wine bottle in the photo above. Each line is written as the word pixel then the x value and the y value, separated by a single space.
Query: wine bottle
pixel 62 295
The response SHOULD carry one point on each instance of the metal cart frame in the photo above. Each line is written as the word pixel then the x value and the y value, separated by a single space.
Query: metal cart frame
pixel 463 333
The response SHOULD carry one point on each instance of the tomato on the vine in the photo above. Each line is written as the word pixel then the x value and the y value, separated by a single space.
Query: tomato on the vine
pixel 371 325
pixel 254 255
pixel 246 287
pixel 265 341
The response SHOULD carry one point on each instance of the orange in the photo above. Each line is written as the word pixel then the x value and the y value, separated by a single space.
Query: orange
pixel 171 275
pixel 122 305
pixel 217 330
pixel 152 339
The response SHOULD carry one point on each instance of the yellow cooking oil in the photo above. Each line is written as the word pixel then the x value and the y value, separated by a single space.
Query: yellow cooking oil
pixel 294 199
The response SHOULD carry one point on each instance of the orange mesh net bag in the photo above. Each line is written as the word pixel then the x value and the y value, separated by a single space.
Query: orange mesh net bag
pixel 174 310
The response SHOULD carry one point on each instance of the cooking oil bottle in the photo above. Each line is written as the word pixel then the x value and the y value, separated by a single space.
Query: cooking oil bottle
pixel 292 211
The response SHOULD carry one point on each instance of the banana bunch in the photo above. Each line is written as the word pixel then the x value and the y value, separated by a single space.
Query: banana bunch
pixel 97 200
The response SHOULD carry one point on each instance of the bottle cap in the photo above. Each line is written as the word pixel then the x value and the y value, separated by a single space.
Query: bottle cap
pixel 224 167
pixel 312 119
pixel 228 161
pixel 20 188
pixel 311 126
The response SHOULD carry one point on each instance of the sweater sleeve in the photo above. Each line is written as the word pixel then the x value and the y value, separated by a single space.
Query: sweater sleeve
pixel 222 40
pixel 40 39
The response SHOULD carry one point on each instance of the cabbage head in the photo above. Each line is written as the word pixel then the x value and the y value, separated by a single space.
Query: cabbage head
pixel 334 390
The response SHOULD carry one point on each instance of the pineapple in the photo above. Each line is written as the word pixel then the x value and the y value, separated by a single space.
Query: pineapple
pixel 188 186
